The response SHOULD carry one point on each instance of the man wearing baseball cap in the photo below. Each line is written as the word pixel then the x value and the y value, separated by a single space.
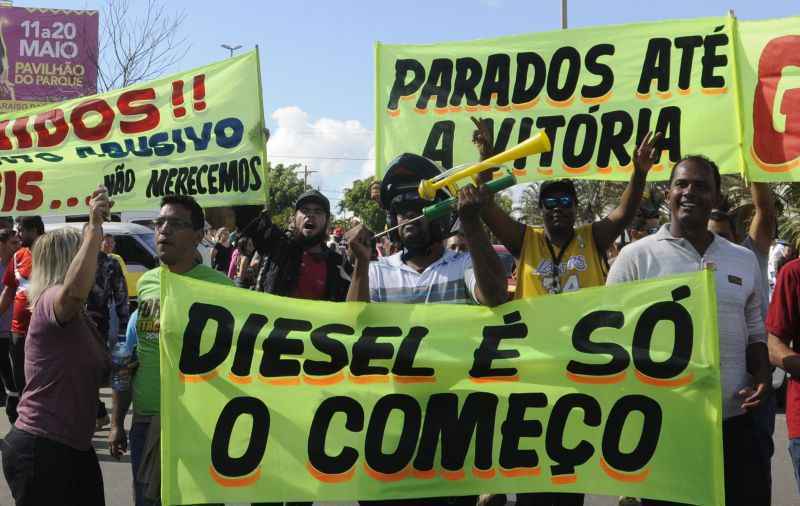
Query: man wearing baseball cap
pixel 561 257
pixel 297 262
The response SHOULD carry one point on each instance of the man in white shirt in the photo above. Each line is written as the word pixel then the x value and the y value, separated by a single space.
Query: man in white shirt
pixel 686 245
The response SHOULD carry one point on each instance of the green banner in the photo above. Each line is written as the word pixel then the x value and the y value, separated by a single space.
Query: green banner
pixel 596 92
pixel 607 391
pixel 198 133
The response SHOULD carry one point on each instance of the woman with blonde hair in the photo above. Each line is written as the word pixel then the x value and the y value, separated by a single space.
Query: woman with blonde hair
pixel 48 456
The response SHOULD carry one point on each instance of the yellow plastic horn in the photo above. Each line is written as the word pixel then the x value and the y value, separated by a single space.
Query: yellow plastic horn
pixel 539 143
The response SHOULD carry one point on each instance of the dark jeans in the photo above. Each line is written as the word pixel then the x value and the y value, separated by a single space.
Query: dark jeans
pixel 40 471
pixel 6 374
pixel 746 481
pixel 549 499
pixel 764 424
pixel 138 435
pixel 16 355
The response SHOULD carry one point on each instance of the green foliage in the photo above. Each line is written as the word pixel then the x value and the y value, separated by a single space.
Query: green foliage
pixel 788 205
pixel 357 200
pixel 285 186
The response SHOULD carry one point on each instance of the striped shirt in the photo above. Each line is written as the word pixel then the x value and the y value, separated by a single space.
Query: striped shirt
pixel 449 280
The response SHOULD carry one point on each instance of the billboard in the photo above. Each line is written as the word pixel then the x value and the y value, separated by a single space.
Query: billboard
pixel 46 55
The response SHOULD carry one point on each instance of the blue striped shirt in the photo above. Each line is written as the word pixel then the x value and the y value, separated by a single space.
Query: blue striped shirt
pixel 448 280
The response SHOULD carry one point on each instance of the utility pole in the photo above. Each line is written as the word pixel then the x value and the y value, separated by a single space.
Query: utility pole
pixel 306 172
pixel 563 14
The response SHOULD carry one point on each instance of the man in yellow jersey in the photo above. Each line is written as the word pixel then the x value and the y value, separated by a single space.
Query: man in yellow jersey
pixel 559 257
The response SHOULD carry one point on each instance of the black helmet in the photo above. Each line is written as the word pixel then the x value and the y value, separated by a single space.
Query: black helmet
pixel 400 185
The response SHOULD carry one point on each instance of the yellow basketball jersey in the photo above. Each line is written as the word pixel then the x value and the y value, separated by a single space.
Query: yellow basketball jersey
pixel 581 264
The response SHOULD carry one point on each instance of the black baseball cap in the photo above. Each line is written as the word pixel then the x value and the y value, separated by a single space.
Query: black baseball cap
pixel 557 186
pixel 316 197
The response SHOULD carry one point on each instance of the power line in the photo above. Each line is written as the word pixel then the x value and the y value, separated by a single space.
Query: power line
pixel 309 157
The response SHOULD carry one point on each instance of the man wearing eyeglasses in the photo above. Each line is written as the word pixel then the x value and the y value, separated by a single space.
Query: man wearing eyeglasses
pixel 179 229
pixel 560 257
pixel 297 262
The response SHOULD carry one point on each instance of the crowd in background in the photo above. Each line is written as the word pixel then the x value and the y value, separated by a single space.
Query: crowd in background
pixel 64 305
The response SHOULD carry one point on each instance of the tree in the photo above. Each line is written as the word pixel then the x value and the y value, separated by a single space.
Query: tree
pixel 357 200
pixel 137 48
pixel 285 187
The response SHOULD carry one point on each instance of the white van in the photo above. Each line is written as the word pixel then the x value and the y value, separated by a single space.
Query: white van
pixel 136 244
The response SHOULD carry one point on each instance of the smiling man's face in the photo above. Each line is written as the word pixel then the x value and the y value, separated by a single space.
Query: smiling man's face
pixel 692 195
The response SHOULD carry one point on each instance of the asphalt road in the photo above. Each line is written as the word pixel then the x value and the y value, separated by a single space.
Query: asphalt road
pixel 117 474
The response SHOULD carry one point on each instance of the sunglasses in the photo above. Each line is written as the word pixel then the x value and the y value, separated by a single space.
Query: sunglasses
pixel 551 203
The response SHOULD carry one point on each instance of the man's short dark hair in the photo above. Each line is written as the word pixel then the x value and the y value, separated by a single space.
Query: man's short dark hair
pixel 704 161
pixel 107 236
pixel 191 205
pixel 720 215
pixel 32 223
pixel 6 234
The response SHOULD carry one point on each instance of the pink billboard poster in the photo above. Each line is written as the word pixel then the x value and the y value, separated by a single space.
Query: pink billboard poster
pixel 46 55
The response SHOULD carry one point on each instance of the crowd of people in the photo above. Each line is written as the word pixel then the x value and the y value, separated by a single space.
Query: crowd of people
pixel 64 303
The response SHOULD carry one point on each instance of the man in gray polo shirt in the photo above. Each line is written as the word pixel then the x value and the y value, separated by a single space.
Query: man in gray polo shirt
pixel 685 245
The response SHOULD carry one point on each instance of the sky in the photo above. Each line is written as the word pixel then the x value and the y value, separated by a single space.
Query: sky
pixel 317 57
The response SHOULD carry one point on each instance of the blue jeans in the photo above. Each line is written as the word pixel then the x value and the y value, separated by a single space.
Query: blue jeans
pixel 138 436
pixel 794 453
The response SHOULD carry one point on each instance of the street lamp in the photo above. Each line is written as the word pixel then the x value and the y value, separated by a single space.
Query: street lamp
pixel 231 48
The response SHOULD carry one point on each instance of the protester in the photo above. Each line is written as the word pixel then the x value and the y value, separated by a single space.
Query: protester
pixel 15 281
pixel 758 240
pixel 108 246
pixel 9 244
pixel 780 254
pixel 48 457
pixel 109 291
pixel 560 257
pixel 783 325
pixel 243 274
pixel 425 271
pixel 686 245
pixel 457 243
pixel 233 266
pixel 221 254
pixel 336 242
pixel 297 262
pixel 646 222
pixel 108 295
pixel 179 229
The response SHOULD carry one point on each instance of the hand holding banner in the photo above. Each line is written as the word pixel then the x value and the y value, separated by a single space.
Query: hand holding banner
pixel 713 86
pixel 197 133
pixel 265 399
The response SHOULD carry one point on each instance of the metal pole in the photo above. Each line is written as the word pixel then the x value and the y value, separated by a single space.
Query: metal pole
pixel 563 14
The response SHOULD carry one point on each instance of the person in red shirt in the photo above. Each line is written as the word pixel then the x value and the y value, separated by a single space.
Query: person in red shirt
pixel 15 282
pixel 783 325
pixel 297 262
